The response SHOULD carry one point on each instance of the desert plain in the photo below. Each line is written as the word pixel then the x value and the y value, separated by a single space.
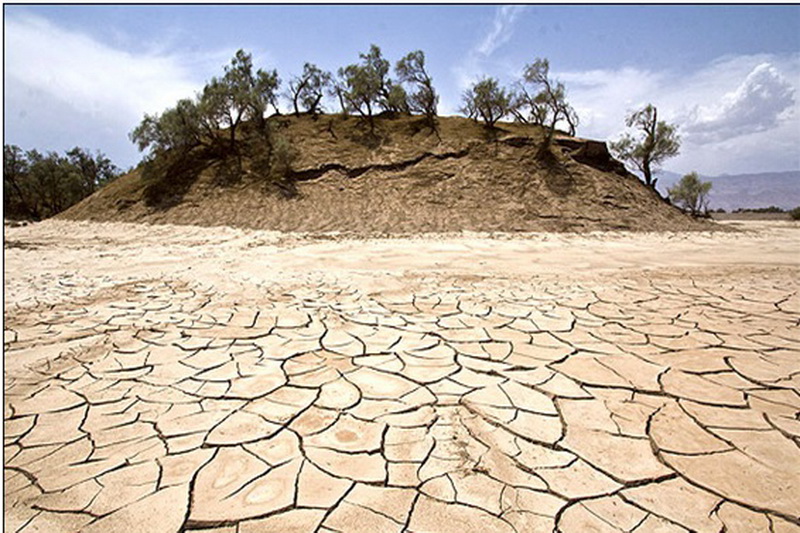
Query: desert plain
pixel 163 378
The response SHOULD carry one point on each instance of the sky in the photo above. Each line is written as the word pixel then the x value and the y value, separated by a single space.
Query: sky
pixel 727 75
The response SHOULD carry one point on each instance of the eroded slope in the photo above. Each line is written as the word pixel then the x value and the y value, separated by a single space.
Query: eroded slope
pixel 407 179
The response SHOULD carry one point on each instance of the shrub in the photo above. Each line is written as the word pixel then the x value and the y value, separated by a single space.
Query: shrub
pixel 691 193
pixel 486 100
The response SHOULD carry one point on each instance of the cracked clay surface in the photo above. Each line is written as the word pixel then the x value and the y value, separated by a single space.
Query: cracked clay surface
pixel 182 379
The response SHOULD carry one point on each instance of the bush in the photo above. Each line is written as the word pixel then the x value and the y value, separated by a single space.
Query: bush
pixel 795 213
pixel 770 209
pixel 282 156
pixel 269 157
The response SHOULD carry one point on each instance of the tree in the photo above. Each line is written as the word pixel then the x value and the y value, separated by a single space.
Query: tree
pixel 411 70
pixel 390 96
pixel 487 100
pixel 307 90
pixel 660 142
pixel 366 86
pixel 395 99
pixel 93 171
pixel 547 106
pixel 37 185
pixel 360 88
pixel 338 88
pixel 691 193
pixel 240 95
pixel 18 199
pixel 182 127
pixel 525 108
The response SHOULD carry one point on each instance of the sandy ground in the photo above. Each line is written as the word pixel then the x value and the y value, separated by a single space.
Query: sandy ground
pixel 170 378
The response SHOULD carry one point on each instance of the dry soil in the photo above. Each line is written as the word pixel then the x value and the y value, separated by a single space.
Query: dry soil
pixel 171 378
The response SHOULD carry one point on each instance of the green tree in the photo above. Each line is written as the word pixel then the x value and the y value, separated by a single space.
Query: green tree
pixel 216 114
pixel 240 95
pixel 390 96
pixel 49 175
pixel 542 101
pixel 395 99
pixel 359 90
pixel 94 171
pixel 308 89
pixel 18 199
pixel 486 100
pixel 366 87
pixel 338 88
pixel 526 108
pixel 424 100
pixel 37 185
pixel 223 127
pixel 182 128
pixel 659 142
pixel 691 193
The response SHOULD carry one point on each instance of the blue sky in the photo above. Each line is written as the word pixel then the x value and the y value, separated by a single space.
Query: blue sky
pixel 729 76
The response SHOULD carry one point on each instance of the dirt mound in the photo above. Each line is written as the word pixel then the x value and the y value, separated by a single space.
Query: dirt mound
pixel 404 178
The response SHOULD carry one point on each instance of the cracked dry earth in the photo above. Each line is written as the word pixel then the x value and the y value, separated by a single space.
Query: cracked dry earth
pixel 173 390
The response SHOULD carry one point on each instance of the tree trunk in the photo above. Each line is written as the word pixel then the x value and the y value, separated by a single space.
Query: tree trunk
pixel 341 100
pixel 544 148
pixel 650 146
pixel 32 211
pixel 648 175
pixel 315 105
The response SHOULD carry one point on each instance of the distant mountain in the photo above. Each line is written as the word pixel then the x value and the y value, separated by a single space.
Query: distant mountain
pixel 729 192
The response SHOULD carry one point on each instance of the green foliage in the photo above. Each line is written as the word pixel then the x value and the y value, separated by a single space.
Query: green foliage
pixel 240 95
pixel 362 82
pixel 366 87
pixel 691 193
pixel 659 142
pixel 395 99
pixel 486 100
pixel 38 186
pixel 527 108
pixel 178 128
pixel 542 101
pixel 224 103
pixel 795 213
pixel 424 100
pixel 282 156
pixel 770 209
pixel 221 127
pixel 338 89
pixel 307 90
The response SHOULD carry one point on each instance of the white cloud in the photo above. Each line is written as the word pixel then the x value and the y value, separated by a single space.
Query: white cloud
pixel 736 114
pixel 757 104
pixel 55 77
pixel 476 62
pixel 90 76
pixel 502 29
pixel 602 98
